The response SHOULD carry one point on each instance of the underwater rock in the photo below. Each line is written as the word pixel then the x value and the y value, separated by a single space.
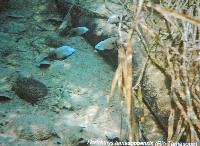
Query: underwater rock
pixel 53 42
pixel 5 139
pixel 64 104
pixel 61 53
pixel 29 89
pixel 30 127
pixel 113 139
pixel 115 19
pixel 54 20
pixel 5 52
pixel 44 64
pixel 4 98
pixel 73 135
pixel 3 1
pixel 41 57
pixel 60 4
pixel 3 4
pixel 82 142
pixel 107 44
pixel 78 31
pixel 15 28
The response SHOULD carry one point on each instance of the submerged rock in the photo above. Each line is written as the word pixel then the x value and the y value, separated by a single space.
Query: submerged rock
pixel 41 58
pixel 30 127
pixel 3 4
pixel 29 89
pixel 115 19
pixel 61 53
pixel 53 42
pixel 4 98
pixel 15 28
pixel 5 139
pixel 70 135
pixel 5 52
pixel 44 64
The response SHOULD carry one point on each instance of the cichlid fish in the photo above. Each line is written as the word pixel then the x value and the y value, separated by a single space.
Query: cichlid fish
pixel 113 19
pixel 107 44
pixel 61 53
pixel 66 23
pixel 78 31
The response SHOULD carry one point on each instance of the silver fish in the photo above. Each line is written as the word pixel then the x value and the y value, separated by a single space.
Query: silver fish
pixel 107 44
pixel 78 31
pixel 61 53
pixel 66 23
pixel 114 19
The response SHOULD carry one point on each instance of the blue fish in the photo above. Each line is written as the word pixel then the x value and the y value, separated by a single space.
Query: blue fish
pixel 108 44
pixel 61 53
pixel 78 31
